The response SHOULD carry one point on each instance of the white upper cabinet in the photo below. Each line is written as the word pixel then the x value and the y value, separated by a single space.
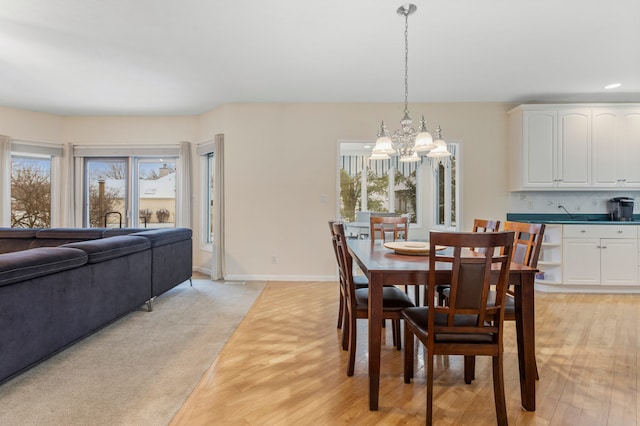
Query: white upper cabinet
pixel 574 148
pixel 577 146
pixel 550 147
pixel 616 147
pixel 539 137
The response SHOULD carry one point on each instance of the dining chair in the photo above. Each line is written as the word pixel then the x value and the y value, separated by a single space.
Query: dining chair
pixel 396 227
pixel 383 225
pixel 357 306
pixel 359 282
pixel 526 251
pixel 470 324
pixel 479 225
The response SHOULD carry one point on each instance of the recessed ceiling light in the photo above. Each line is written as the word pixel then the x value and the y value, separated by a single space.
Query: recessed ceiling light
pixel 612 86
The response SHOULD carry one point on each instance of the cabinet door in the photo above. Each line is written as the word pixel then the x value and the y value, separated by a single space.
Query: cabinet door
pixel 616 148
pixel 539 137
pixel 574 148
pixel 619 261
pixel 630 147
pixel 581 261
pixel 605 145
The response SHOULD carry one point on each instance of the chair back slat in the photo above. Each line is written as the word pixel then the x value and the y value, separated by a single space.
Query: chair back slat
pixel 468 311
pixel 345 263
pixel 528 242
pixel 381 225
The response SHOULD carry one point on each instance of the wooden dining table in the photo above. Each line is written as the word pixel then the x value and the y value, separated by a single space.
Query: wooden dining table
pixel 383 266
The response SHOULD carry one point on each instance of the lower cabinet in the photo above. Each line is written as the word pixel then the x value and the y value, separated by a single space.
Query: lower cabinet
pixel 600 255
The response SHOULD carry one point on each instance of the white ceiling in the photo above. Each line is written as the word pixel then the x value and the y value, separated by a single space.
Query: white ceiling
pixel 176 57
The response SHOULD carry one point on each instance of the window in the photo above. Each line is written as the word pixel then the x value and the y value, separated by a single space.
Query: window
pixel 209 198
pixel 117 186
pixel 446 189
pixel 30 191
pixel 392 186
pixel 376 186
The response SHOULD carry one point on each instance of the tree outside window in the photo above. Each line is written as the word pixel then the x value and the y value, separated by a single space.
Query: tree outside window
pixel 30 192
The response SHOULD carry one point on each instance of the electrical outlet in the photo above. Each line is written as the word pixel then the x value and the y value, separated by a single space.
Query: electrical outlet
pixel 274 259
pixel 577 208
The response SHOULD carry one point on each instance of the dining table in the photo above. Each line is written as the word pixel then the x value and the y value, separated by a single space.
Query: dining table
pixel 384 266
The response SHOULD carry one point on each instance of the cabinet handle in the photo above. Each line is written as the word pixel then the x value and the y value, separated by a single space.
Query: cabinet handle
pixel 583 231
pixel 619 231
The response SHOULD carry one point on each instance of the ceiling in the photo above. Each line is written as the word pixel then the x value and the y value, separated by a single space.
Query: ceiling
pixel 168 57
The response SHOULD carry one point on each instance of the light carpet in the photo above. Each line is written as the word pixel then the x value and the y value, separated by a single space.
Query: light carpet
pixel 138 370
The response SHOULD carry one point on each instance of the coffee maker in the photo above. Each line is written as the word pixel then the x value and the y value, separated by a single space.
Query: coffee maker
pixel 621 209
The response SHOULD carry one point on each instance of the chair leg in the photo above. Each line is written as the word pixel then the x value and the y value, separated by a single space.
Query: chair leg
pixel 346 329
pixel 498 390
pixel 352 344
pixel 469 368
pixel 408 354
pixel 396 330
pixel 341 310
pixel 429 373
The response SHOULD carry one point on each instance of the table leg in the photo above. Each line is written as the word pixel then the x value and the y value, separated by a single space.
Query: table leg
pixel 375 339
pixel 525 330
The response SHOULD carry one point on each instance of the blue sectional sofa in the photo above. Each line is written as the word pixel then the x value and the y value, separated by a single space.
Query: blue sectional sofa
pixel 60 285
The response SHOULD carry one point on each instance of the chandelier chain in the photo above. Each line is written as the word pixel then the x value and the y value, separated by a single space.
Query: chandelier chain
pixel 406 63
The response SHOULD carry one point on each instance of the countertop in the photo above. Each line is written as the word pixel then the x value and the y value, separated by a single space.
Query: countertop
pixel 574 219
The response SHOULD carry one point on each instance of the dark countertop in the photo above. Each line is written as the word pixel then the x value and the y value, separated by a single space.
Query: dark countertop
pixel 575 219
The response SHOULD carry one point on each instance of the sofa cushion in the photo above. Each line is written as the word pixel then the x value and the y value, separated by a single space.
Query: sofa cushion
pixel 22 233
pixel 112 232
pixel 111 248
pixel 28 264
pixel 71 233
pixel 161 237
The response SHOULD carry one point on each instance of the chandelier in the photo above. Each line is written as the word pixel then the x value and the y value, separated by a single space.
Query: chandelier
pixel 407 141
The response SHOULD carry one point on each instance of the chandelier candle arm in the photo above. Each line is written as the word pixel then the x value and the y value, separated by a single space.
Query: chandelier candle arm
pixel 406 141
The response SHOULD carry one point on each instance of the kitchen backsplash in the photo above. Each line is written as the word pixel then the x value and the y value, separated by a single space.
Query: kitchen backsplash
pixel 574 201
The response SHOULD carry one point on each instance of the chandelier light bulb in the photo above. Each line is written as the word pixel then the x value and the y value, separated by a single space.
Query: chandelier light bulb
pixel 440 149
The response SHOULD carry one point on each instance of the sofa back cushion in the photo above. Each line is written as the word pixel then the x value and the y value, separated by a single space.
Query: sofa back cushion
pixel 27 264
pixel 111 248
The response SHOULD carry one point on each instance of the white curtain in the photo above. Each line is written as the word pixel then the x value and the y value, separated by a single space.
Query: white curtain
pixel 183 186
pixel 68 194
pixel 217 260
pixel 5 180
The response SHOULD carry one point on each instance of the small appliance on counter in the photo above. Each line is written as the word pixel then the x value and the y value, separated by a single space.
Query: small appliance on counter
pixel 621 209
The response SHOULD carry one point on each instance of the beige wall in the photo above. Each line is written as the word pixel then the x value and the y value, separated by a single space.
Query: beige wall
pixel 280 159
pixel 32 126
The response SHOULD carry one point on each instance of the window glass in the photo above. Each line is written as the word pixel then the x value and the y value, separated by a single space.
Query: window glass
pixel 156 193
pixel 106 192
pixel 209 213
pixel 376 186
pixel 30 192
pixel 446 213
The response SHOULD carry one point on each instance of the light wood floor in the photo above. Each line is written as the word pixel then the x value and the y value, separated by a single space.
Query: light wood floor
pixel 284 366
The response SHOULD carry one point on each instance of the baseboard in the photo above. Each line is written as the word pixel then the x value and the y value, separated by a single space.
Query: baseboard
pixel 280 277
